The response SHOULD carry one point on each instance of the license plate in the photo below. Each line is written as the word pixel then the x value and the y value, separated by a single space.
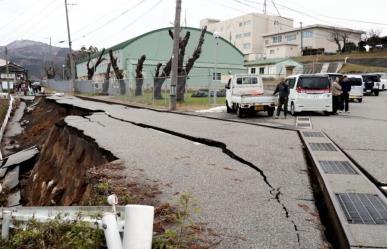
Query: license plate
pixel 368 91
pixel 259 107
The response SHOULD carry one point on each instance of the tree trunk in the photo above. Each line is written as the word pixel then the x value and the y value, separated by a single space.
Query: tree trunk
pixel 158 84
pixel 139 83
pixel 139 76
pixel 181 84
pixel 105 89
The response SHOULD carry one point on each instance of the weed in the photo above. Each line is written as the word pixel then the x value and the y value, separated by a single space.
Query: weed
pixel 56 234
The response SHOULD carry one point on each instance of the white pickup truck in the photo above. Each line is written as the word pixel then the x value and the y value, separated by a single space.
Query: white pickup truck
pixel 245 94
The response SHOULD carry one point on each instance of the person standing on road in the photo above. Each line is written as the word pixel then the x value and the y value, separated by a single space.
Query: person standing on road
pixel 283 95
pixel 336 94
pixel 346 88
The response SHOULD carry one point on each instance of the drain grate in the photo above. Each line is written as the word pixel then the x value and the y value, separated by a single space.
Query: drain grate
pixel 337 167
pixel 312 134
pixel 303 124
pixel 363 208
pixel 303 119
pixel 322 147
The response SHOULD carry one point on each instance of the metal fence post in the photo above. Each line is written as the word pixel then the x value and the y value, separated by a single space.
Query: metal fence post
pixel 110 229
pixel 7 215
pixel 138 229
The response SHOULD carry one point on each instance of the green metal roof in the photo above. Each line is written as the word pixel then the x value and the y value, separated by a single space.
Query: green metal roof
pixel 128 42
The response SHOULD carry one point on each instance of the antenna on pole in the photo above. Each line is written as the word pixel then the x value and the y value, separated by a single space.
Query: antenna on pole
pixel 264 7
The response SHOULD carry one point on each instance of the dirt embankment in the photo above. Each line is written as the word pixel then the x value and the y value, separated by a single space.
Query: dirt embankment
pixel 59 176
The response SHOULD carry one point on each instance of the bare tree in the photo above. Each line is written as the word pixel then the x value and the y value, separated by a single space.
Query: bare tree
pixel 118 72
pixel 335 36
pixel 183 73
pixel 91 70
pixel 51 71
pixel 139 75
pixel 159 79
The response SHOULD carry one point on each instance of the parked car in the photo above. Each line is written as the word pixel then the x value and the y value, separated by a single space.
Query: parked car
pixel 356 87
pixel 309 92
pixel 245 94
pixel 371 83
pixel 383 81
pixel 204 93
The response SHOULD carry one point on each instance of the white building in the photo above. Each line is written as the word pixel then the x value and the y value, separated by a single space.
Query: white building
pixel 246 31
pixel 274 68
pixel 2 62
pixel 287 43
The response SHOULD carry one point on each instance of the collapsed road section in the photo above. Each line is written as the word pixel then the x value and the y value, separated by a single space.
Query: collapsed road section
pixel 249 193
pixel 251 183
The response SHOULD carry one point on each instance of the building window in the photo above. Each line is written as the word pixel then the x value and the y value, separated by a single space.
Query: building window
pixel 217 76
pixel 240 24
pixel 252 70
pixel 248 34
pixel 266 42
pixel 272 51
pixel 238 36
pixel 247 22
pixel 246 45
pixel 261 70
pixel 307 34
pixel 277 39
pixel 291 37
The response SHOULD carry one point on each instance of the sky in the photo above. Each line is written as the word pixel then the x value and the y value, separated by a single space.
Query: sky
pixel 106 23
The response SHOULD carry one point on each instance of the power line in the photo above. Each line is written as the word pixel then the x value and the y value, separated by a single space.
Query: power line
pixel 144 14
pixel 110 20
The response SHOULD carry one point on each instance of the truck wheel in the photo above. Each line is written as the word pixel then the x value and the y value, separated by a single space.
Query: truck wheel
pixel 229 110
pixel 239 112
pixel 376 92
pixel 360 100
pixel 270 112
pixel 293 110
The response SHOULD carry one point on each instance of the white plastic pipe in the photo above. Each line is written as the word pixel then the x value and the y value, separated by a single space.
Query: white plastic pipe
pixel 5 224
pixel 110 228
pixel 138 229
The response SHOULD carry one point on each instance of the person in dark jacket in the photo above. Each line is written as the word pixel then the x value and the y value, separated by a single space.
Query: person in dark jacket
pixel 346 88
pixel 283 96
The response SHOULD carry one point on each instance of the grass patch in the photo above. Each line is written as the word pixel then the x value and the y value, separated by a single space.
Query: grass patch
pixel 353 68
pixel 341 57
pixel 190 103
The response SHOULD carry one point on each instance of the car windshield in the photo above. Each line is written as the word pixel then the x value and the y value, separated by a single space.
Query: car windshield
pixel 314 83
pixel 355 81
pixel 247 80
pixel 373 78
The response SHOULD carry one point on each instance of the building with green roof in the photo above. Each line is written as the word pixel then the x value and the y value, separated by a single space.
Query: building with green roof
pixel 218 55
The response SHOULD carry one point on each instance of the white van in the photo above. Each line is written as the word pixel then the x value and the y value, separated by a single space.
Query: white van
pixel 309 92
pixel 356 87
pixel 383 81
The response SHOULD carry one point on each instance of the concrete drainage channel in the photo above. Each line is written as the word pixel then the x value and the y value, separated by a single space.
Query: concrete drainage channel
pixel 357 208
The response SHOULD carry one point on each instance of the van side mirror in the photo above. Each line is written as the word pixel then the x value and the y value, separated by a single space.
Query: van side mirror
pixel 227 86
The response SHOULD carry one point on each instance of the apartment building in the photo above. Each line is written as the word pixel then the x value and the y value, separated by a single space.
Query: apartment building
pixel 246 31
pixel 287 43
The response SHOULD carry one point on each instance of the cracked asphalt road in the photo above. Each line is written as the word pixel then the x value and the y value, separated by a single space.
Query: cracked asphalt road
pixel 236 202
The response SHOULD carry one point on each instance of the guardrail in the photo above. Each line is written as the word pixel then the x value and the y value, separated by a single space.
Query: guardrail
pixel 134 222
pixel 8 114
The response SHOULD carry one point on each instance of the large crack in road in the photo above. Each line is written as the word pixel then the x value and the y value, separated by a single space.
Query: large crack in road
pixel 275 192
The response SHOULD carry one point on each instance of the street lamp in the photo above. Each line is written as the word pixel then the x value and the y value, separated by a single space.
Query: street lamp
pixel 216 37
pixel 63 71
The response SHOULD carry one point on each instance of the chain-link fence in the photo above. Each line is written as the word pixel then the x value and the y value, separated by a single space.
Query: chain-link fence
pixel 4 103
pixel 193 90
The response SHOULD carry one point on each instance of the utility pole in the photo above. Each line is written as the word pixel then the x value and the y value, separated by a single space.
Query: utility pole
pixel 7 71
pixel 72 65
pixel 264 7
pixel 175 56
pixel 302 38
